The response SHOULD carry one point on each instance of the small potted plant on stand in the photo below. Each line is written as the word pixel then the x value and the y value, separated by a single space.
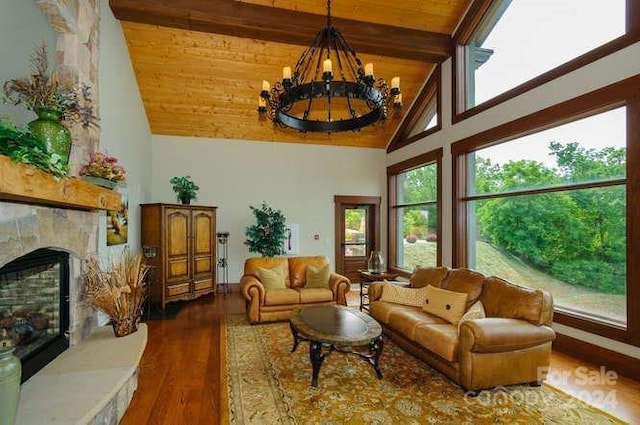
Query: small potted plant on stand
pixel 185 189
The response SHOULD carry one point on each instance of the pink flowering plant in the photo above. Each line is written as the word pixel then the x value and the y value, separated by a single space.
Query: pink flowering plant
pixel 101 165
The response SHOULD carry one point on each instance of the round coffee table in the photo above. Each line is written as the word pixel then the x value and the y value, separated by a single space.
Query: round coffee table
pixel 336 328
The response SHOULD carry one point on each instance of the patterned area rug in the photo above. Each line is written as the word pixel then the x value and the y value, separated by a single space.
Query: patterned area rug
pixel 267 384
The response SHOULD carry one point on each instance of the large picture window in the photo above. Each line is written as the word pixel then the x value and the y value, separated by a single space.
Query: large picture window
pixel 553 209
pixel 414 212
pixel 519 40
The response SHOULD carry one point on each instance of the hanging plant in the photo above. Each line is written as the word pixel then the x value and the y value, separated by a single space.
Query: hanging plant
pixel 267 235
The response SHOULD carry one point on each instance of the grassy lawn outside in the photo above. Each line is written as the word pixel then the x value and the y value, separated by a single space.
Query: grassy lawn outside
pixel 492 261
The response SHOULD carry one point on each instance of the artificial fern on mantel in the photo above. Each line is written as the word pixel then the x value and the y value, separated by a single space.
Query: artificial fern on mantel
pixel 268 234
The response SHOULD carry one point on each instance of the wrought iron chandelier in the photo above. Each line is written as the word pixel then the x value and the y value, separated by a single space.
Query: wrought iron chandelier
pixel 329 91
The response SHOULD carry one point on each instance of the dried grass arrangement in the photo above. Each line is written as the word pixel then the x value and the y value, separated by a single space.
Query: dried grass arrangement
pixel 119 292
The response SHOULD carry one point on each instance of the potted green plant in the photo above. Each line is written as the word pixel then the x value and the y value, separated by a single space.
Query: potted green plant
pixel 185 188
pixel 54 101
pixel 268 234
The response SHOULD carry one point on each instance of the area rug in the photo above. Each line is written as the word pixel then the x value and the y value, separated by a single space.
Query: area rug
pixel 267 384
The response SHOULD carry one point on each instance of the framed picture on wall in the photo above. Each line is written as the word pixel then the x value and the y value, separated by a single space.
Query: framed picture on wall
pixel 118 222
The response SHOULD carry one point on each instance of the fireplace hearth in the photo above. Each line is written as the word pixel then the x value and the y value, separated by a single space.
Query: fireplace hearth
pixel 34 307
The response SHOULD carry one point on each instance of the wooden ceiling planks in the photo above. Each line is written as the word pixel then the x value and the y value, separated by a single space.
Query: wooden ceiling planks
pixel 206 85
pixel 439 16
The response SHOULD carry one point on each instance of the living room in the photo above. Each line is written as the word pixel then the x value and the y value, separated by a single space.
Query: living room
pixel 302 179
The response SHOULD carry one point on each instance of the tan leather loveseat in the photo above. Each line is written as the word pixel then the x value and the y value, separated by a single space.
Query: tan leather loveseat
pixel 265 305
pixel 511 345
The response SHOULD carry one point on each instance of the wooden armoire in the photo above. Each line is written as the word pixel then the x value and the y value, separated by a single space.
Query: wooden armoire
pixel 185 263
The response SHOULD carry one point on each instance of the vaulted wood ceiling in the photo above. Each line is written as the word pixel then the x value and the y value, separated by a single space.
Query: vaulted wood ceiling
pixel 200 63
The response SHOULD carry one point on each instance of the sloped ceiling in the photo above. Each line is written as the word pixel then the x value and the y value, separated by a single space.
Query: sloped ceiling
pixel 200 63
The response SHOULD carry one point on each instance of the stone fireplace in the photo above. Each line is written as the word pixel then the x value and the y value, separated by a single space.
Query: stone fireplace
pixel 28 229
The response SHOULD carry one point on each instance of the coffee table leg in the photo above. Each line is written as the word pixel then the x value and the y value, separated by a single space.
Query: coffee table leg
pixel 296 340
pixel 315 353
pixel 376 347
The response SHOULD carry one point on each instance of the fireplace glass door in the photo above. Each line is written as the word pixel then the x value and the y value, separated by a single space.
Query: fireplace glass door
pixel 34 307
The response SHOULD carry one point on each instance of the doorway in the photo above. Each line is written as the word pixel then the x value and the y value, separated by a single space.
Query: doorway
pixel 357 228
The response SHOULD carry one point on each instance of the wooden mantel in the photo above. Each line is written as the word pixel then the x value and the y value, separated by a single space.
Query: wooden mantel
pixel 25 184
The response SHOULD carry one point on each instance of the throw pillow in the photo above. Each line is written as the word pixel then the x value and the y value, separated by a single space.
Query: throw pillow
pixel 476 311
pixel 271 278
pixel 406 296
pixel 448 305
pixel 318 277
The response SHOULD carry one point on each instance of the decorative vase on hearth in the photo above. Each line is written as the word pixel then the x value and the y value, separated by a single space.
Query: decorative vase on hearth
pixel 48 128
pixel 10 374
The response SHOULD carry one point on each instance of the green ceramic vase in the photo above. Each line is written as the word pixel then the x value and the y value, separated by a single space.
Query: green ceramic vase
pixel 49 129
pixel 10 373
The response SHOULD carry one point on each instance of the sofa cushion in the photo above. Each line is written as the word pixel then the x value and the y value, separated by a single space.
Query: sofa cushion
pixel 423 276
pixel 449 305
pixel 467 281
pixel 281 296
pixel 271 278
pixel 440 339
pixel 406 319
pixel 504 299
pixel 405 296
pixel 317 277
pixel 251 266
pixel 298 268
pixel 476 311
pixel 315 295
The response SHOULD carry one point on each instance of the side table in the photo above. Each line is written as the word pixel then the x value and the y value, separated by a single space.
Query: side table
pixel 366 277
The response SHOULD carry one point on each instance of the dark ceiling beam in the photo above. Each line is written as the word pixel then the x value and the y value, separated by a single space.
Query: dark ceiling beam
pixel 247 20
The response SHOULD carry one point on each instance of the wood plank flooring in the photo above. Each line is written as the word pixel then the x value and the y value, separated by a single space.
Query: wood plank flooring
pixel 181 381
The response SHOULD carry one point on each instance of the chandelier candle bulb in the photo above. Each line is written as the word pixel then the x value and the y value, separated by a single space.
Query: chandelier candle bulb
pixel 266 86
pixel 395 83
pixel 368 70
pixel 286 73
pixel 327 66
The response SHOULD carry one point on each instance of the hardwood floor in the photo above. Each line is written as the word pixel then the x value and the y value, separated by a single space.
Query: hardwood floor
pixel 181 381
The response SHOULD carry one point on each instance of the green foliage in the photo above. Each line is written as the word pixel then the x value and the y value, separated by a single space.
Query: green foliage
pixel 415 223
pixel 267 235
pixel 578 236
pixel 354 219
pixel 22 146
pixel 184 187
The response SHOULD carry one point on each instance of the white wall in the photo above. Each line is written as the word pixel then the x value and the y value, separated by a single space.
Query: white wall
pixel 23 27
pixel 612 68
pixel 124 129
pixel 301 180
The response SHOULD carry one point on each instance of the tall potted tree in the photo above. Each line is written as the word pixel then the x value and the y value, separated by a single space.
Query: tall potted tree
pixel 268 234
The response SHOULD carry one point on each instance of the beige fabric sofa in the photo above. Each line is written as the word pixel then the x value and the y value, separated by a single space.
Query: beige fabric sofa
pixel 266 305
pixel 512 345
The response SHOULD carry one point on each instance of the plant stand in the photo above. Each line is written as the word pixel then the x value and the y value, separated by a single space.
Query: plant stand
pixel 222 278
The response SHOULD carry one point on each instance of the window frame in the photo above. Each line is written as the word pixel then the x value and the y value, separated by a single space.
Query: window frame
pixel 623 93
pixel 471 24
pixel 431 91
pixel 429 158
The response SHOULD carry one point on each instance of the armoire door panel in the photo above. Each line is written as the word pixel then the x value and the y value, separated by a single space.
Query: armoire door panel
pixel 202 265
pixel 178 268
pixel 178 232
pixel 203 223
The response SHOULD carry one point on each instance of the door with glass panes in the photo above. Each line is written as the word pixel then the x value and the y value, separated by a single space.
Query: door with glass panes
pixel 357 233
